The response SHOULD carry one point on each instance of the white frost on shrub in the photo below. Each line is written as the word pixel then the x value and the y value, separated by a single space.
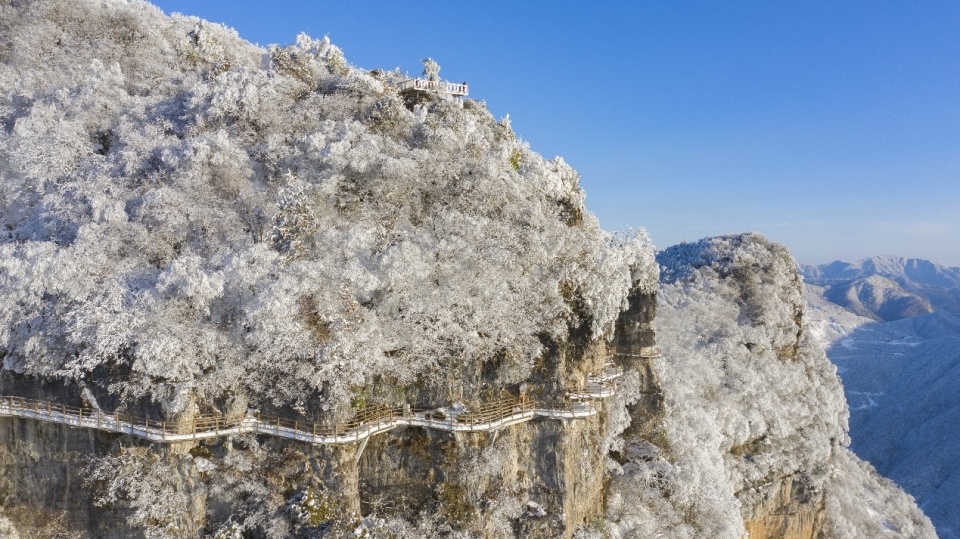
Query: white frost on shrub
pixel 207 217
pixel 7 528
pixel 749 398
pixel 861 503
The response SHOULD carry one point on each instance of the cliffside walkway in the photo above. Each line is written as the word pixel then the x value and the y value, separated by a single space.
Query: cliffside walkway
pixel 488 416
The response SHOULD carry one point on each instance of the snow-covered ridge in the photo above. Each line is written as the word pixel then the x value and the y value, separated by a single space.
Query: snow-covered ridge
pixel 207 221
pixel 897 268
pixel 887 288
pixel 753 407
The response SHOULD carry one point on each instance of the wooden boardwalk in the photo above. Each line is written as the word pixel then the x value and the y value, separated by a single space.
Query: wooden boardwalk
pixel 488 416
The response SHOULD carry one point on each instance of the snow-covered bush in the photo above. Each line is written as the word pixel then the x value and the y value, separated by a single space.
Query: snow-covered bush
pixel 208 218
pixel 750 400
pixel 7 529
pixel 152 486
pixel 312 510
pixel 860 503
pixel 228 530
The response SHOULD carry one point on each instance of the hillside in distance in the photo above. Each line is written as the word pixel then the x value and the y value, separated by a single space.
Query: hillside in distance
pixel 886 288
pixel 901 380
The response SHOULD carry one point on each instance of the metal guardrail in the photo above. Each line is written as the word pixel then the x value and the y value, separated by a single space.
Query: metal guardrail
pixel 486 416
pixel 435 86
pixel 489 417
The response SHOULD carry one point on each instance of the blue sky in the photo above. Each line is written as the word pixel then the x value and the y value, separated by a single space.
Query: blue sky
pixel 833 127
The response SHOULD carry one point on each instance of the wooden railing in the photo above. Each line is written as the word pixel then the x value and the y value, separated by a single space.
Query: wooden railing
pixel 486 416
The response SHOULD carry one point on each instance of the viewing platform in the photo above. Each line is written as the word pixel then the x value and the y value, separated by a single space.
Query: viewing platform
pixel 432 83
pixel 437 86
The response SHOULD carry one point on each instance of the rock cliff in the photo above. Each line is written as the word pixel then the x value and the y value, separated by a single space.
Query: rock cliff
pixel 209 229
pixel 755 413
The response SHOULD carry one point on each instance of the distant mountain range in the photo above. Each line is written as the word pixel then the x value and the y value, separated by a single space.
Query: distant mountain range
pixel 887 288
pixel 885 323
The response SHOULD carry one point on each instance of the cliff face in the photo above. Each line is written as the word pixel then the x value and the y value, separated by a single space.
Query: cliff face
pixel 209 229
pixel 787 508
pixel 213 229
pixel 755 414
pixel 543 478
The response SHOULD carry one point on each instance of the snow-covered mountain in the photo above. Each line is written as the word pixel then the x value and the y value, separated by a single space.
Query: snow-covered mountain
pixel 829 322
pixel 752 398
pixel 901 269
pixel 207 232
pixel 887 288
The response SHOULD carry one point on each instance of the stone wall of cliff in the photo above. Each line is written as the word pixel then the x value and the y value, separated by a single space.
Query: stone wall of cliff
pixel 544 478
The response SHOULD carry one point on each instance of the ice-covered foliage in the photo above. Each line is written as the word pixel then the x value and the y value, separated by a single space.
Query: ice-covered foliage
pixel 860 503
pixel 7 529
pixel 148 482
pixel 750 398
pixel 164 493
pixel 639 254
pixel 207 218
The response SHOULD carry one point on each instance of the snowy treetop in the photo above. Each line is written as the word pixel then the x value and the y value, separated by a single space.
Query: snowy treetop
pixel 206 219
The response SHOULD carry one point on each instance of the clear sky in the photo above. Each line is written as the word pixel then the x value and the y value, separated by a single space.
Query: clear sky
pixel 830 126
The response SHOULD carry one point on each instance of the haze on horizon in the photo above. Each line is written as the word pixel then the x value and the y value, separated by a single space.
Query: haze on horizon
pixel 834 129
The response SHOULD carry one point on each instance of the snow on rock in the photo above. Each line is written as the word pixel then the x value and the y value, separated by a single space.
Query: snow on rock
pixel 751 403
pixel 207 217
pixel 7 529
pixel 861 503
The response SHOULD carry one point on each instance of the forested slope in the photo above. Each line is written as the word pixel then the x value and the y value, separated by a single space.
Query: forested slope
pixel 191 224
pixel 205 219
